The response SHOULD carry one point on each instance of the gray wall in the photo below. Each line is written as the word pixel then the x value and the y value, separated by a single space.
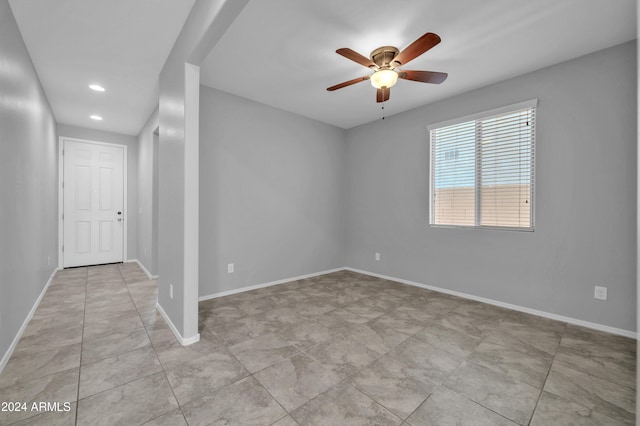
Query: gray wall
pixel 171 193
pixel 28 183
pixel 271 193
pixel 131 143
pixel 178 178
pixel 586 196
pixel 147 194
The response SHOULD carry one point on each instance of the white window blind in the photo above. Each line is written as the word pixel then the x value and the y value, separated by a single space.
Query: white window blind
pixel 482 169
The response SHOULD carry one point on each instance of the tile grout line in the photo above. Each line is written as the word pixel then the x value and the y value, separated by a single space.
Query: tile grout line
pixel 570 367
pixel 58 372
pixel 102 279
pixel 124 352
pixel 409 336
pixel 249 374
pixel 55 372
pixel 412 336
pixel 144 326
pixel 82 343
pixel 550 358
pixel 299 352
pixel 406 420
pixel 269 393
pixel 304 352
pixel 466 359
pixel 346 378
pixel 84 314
pixel 535 407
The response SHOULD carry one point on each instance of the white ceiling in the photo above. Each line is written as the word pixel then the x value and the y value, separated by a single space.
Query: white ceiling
pixel 282 52
pixel 121 44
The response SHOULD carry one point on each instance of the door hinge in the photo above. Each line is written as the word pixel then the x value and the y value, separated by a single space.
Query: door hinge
pixel 63 249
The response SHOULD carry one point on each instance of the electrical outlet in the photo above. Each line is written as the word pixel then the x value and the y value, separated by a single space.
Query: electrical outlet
pixel 49 260
pixel 377 256
pixel 145 251
pixel 230 268
pixel 171 291
pixel 600 293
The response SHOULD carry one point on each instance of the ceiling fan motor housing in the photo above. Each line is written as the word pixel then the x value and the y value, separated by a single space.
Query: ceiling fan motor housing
pixel 383 57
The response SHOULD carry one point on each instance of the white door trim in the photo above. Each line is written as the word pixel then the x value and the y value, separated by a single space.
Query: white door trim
pixel 61 140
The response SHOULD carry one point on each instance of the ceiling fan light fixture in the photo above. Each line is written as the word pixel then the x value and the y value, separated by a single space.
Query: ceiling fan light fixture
pixel 384 78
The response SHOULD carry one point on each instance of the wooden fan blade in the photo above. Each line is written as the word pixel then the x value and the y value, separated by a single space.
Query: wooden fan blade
pixel 382 95
pixel 356 57
pixel 347 83
pixel 424 76
pixel 415 49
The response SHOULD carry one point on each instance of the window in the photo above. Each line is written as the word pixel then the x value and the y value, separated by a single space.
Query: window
pixel 482 169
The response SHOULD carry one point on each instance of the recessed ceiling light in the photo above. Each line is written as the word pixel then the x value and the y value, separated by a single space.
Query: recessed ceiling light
pixel 96 87
pixel 95 117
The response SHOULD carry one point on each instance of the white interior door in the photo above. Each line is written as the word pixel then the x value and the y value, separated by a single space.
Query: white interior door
pixel 93 211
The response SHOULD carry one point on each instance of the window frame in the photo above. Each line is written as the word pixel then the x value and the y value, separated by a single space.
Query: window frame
pixel 529 104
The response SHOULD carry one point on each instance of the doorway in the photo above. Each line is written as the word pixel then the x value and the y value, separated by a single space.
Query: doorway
pixel 93 202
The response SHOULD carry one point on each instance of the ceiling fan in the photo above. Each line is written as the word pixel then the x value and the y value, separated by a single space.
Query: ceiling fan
pixel 386 61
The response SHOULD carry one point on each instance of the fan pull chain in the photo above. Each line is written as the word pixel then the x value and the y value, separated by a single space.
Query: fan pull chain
pixel 383 110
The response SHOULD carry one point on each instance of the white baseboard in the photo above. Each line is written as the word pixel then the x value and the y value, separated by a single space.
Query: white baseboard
pixel 25 323
pixel 569 320
pixel 184 342
pixel 268 284
pixel 145 270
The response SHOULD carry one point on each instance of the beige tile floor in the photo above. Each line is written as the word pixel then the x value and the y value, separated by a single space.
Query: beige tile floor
pixel 338 349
